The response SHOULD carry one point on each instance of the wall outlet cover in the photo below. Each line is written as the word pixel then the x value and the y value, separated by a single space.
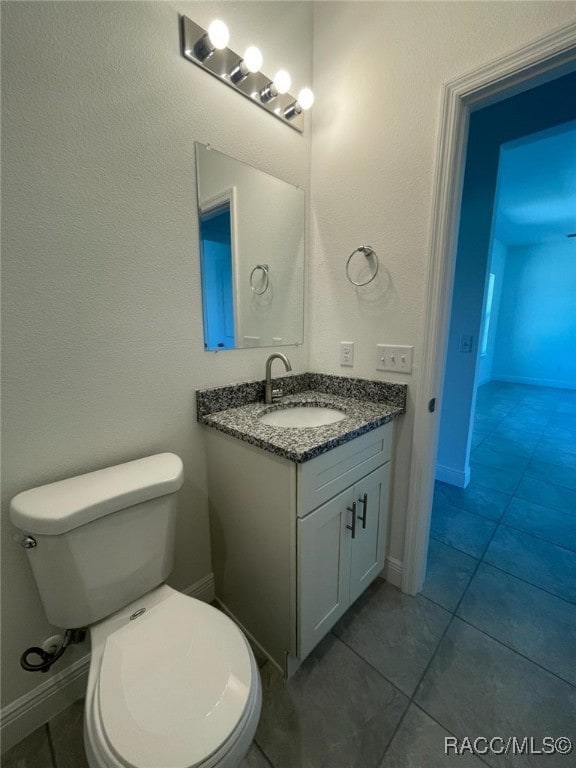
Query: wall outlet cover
pixel 347 354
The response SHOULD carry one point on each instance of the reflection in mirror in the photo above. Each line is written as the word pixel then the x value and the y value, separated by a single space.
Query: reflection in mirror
pixel 217 240
pixel 252 254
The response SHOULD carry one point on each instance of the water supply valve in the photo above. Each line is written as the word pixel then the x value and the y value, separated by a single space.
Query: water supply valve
pixel 48 657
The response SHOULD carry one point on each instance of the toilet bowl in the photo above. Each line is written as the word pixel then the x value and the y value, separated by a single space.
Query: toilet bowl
pixel 177 687
pixel 173 682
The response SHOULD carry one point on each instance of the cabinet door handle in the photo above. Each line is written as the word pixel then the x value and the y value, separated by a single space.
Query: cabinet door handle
pixel 353 526
pixel 364 501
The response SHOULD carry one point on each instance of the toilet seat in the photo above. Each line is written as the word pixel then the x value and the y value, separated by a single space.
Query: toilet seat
pixel 176 686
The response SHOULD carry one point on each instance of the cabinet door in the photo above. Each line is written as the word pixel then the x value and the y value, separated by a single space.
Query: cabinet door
pixel 368 547
pixel 323 570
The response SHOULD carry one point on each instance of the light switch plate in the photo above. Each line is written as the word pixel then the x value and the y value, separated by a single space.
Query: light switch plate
pixel 465 343
pixel 394 358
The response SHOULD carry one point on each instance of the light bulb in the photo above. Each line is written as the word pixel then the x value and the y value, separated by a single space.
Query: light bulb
pixel 251 62
pixel 216 37
pixel 218 34
pixel 304 101
pixel 252 58
pixel 281 84
pixel 282 81
pixel 305 98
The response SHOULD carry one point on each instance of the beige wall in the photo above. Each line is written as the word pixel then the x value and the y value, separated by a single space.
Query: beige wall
pixel 378 74
pixel 102 326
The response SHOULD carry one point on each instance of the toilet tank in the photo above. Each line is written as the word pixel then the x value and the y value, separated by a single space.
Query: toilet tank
pixel 103 539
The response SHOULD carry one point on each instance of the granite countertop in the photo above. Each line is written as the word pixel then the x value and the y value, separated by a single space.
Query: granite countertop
pixel 300 444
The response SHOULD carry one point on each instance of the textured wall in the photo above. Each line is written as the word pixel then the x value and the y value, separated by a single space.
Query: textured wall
pixel 102 319
pixel 378 75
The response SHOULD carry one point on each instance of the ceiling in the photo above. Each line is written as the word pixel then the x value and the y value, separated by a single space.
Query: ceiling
pixel 536 195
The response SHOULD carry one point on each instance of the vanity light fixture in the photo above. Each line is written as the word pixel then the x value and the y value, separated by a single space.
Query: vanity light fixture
pixel 209 50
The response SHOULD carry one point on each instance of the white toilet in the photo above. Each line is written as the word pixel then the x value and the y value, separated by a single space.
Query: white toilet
pixel 173 682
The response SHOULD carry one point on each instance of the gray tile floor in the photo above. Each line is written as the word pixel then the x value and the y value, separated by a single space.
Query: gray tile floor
pixel 487 650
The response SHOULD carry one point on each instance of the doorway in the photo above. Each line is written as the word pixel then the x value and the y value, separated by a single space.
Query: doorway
pixel 217 278
pixel 543 62
pixel 517 513
pixel 497 147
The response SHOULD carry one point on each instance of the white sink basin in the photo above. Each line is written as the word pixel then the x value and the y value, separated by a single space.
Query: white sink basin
pixel 302 416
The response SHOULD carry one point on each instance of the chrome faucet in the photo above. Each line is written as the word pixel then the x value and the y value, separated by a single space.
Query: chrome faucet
pixel 270 395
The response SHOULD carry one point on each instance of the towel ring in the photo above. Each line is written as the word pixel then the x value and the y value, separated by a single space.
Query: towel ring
pixel 368 251
pixel 266 280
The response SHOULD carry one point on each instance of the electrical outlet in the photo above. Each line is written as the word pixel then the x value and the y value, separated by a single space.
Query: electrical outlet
pixel 347 353
pixel 393 358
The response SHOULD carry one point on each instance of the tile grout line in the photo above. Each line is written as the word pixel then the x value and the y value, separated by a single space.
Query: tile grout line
pixel 419 706
pixel 471 511
pixel 502 570
pixel 422 676
pixel 514 650
pixel 403 693
pixel 539 537
pixel 529 583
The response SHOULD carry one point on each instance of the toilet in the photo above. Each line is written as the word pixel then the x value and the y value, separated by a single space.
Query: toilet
pixel 173 682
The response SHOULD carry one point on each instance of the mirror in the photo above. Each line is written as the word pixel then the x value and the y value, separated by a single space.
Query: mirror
pixel 252 254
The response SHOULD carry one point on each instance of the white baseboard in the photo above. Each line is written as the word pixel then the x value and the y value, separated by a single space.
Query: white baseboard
pixel 393 571
pixel 33 709
pixel 534 381
pixel 452 476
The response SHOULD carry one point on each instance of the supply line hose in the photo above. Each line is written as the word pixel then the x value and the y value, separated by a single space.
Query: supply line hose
pixel 71 637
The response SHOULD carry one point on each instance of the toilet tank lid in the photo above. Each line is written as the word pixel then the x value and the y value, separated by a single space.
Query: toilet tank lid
pixel 59 507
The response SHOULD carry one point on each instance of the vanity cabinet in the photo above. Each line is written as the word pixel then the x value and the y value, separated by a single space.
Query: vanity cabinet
pixel 340 549
pixel 294 545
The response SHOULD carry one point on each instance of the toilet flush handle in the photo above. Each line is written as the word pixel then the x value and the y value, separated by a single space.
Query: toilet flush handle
pixel 28 542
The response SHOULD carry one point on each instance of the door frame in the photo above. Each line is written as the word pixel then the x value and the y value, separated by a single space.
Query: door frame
pixel 543 60
pixel 226 198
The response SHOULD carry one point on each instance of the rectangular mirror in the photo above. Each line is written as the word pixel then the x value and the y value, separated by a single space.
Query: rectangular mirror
pixel 252 254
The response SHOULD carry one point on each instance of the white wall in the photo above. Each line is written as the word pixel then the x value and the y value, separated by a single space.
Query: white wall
pixel 102 318
pixel 536 336
pixel 378 75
